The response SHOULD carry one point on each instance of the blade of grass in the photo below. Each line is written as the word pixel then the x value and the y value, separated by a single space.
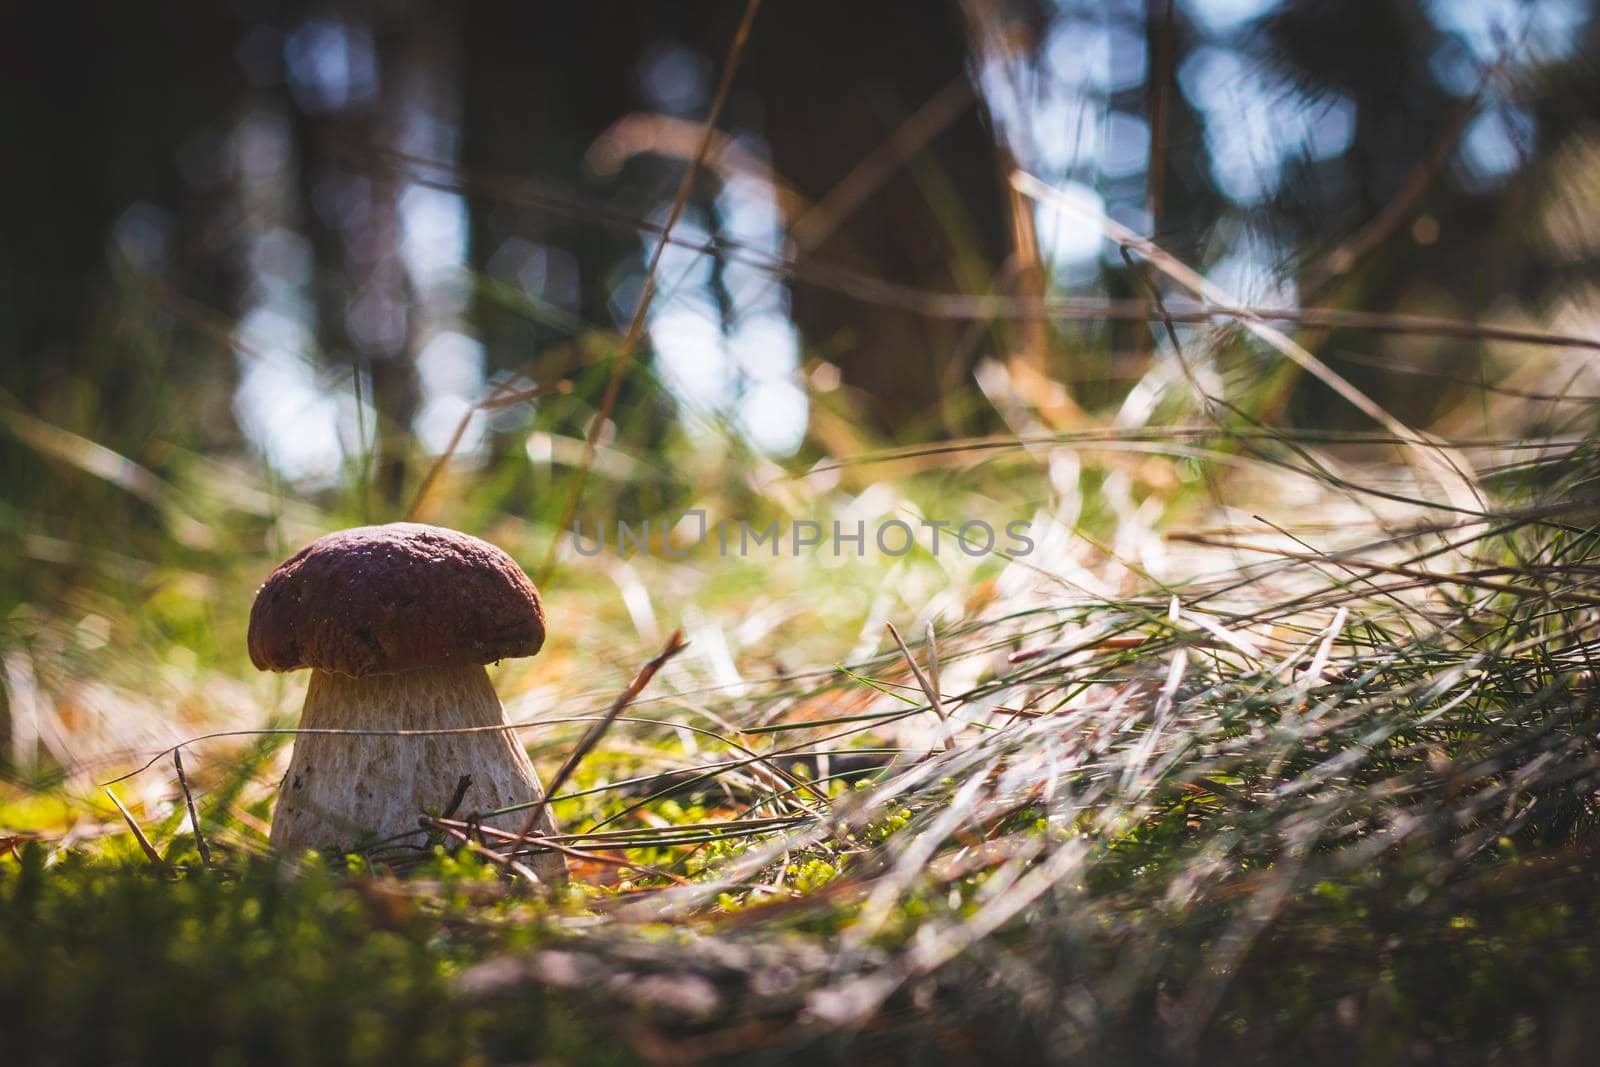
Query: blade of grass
pixel 138 834
pixel 929 690
pixel 194 816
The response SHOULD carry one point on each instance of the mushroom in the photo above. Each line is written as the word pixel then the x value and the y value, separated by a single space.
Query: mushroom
pixel 396 623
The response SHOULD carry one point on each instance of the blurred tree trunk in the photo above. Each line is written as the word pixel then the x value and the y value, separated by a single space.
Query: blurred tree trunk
pixel 541 82
pixel 365 303
pixel 1375 53
pixel 108 108
pixel 113 117
pixel 836 78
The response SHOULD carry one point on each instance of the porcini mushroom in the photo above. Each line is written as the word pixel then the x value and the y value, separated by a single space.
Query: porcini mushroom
pixel 396 623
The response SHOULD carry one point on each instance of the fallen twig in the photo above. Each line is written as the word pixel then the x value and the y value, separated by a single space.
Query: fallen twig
pixel 194 816
pixel 675 644
pixel 459 832
pixel 462 785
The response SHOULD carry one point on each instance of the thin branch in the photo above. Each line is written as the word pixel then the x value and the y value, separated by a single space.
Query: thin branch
pixel 1430 451
pixel 505 862
pixel 630 341
pixel 858 286
pixel 501 396
pixel 459 832
pixel 462 785
pixel 1405 204
pixel 675 644
pixel 194 816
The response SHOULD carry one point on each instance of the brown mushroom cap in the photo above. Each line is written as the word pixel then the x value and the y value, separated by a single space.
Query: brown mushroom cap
pixel 385 599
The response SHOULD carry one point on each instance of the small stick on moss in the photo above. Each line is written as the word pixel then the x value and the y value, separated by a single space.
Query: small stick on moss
pixel 194 816
pixel 675 644
pixel 566 850
pixel 1225 792
pixel 138 834
pixel 462 785
pixel 505 862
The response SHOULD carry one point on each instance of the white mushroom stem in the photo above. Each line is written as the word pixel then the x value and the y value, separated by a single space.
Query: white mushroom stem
pixel 342 788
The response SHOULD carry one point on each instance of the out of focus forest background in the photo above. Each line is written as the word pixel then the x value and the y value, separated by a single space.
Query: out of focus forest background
pixel 258 256
pixel 269 269
pixel 296 242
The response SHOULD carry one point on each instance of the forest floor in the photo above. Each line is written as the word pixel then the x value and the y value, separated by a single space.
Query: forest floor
pixel 1308 774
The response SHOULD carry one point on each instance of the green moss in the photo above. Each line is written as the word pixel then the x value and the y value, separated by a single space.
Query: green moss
pixel 103 962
